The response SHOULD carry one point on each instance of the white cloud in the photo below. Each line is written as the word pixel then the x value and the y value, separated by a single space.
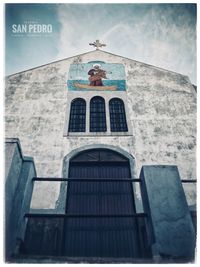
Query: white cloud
pixel 73 38
pixel 165 40
pixel 161 43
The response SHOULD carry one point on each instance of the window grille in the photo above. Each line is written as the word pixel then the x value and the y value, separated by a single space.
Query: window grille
pixel 97 115
pixel 117 116
pixel 77 118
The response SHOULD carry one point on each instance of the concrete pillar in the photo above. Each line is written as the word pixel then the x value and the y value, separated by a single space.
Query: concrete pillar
pixel 19 172
pixel 107 116
pixel 170 227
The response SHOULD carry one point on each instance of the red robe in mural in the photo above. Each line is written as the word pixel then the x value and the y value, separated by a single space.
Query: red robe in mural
pixel 96 76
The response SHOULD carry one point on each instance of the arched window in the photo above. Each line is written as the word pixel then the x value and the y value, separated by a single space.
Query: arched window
pixel 117 115
pixel 97 114
pixel 77 115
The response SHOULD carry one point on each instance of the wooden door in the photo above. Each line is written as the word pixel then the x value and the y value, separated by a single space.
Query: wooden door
pixel 100 234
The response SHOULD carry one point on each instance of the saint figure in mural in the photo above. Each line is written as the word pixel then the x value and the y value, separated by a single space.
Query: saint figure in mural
pixel 96 75
pixel 79 81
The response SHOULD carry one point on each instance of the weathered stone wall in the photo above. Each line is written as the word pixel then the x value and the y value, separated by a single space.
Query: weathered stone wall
pixel 161 106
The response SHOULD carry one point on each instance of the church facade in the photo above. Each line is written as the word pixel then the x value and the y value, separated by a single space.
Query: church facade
pixel 113 172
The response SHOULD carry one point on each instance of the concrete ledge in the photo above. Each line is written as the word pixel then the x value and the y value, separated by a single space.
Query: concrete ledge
pixel 60 259
pixel 17 142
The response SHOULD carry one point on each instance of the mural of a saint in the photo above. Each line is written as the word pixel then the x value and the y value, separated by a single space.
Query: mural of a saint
pixel 96 75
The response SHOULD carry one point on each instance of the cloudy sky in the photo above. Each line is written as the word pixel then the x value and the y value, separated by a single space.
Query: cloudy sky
pixel 163 35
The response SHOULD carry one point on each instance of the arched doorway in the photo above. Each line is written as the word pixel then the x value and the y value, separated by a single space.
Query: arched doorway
pixel 101 203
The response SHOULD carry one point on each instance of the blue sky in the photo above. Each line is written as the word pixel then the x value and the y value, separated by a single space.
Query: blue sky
pixel 163 35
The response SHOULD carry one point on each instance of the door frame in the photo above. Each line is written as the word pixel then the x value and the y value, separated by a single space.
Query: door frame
pixel 61 202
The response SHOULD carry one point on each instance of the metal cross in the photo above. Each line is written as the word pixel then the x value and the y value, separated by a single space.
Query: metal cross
pixel 97 44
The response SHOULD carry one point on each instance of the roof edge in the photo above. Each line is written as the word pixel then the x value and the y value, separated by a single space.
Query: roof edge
pixel 52 62
pixel 59 60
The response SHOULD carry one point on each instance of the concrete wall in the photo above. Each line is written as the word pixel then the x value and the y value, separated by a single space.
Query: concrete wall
pixel 161 106
pixel 169 222
pixel 18 191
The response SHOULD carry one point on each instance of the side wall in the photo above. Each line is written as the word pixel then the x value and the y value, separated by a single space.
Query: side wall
pixel 161 106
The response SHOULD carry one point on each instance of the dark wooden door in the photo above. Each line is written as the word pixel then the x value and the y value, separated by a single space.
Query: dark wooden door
pixel 97 236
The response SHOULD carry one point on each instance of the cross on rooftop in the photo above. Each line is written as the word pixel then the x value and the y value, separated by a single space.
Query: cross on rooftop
pixel 97 44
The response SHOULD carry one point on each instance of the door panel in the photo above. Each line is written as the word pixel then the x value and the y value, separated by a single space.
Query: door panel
pixel 100 236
